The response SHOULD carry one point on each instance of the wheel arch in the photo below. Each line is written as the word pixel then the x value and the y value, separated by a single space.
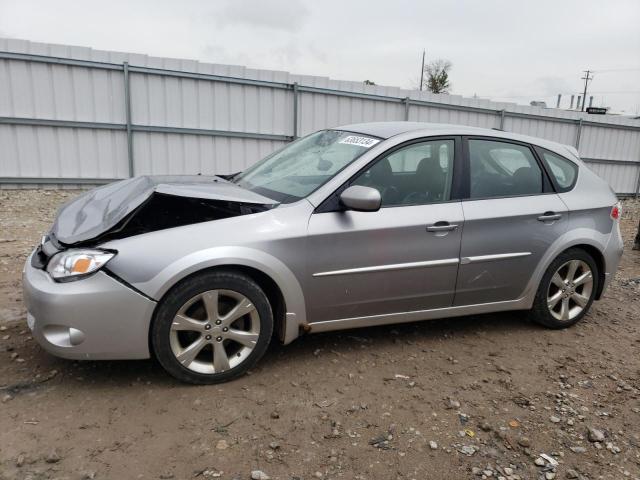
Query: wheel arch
pixel 265 282
pixel 598 257
pixel 277 281
pixel 593 242
pixel 272 291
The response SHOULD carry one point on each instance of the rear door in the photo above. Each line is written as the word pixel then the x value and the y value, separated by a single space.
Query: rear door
pixel 512 216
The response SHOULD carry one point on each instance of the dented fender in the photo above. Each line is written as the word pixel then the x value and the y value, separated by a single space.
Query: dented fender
pixel 154 262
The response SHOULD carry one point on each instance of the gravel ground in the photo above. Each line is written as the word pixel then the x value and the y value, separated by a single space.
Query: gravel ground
pixel 489 396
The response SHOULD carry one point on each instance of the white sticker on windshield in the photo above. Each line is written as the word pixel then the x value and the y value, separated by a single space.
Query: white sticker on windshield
pixel 365 142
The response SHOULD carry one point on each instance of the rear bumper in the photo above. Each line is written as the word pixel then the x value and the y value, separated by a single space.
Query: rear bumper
pixel 93 318
pixel 612 256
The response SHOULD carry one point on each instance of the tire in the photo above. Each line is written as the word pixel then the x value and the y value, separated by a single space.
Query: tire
pixel 209 317
pixel 560 287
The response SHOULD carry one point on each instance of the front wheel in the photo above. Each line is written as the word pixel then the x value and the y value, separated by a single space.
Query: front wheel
pixel 212 327
pixel 567 290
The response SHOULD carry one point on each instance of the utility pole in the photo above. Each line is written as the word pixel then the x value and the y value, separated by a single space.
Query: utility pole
pixel 586 79
pixel 422 70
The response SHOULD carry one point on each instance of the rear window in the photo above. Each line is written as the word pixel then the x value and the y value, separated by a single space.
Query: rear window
pixel 563 171
pixel 502 169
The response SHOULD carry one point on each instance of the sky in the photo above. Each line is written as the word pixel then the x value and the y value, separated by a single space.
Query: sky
pixel 506 50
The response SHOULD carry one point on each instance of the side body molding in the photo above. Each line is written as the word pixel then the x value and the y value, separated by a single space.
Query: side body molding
pixel 291 290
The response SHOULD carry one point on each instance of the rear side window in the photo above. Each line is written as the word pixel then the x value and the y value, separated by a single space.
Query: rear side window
pixel 563 172
pixel 500 169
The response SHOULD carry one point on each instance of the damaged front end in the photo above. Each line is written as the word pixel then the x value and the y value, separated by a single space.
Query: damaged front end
pixel 141 205
pixel 161 211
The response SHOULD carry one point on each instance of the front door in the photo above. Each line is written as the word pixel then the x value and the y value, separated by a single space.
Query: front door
pixel 512 216
pixel 401 258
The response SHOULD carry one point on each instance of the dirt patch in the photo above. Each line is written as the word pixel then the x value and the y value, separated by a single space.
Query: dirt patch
pixel 446 399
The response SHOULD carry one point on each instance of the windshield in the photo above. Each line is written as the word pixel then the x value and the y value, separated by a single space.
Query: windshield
pixel 301 167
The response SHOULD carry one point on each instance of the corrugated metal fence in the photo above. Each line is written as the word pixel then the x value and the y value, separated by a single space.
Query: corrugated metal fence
pixel 72 115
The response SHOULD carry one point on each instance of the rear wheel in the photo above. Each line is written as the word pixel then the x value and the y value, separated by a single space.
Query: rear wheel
pixel 212 327
pixel 567 290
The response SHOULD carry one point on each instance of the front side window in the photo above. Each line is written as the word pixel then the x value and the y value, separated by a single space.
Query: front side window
pixel 563 171
pixel 301 167
pixel 418 174
pixel 500 169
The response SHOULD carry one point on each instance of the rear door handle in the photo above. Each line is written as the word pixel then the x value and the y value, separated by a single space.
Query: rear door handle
pixel 549 217
pixel 442 227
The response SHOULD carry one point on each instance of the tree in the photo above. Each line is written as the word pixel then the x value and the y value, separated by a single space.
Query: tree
pixel 436 76
pixel 369 82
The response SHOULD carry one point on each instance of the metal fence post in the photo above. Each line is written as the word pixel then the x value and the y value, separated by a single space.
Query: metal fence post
pixel 578 133
pixel 638 183
pixel 127 111
pixel 406 108
pixel 295 110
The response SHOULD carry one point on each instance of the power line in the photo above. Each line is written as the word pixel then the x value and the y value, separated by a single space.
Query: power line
pixel 618 91
pixel 607 70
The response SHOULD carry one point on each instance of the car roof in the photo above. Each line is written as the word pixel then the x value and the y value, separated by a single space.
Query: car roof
pixel 387 130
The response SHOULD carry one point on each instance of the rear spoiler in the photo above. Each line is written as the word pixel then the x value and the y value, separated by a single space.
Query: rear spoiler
pixel 572 150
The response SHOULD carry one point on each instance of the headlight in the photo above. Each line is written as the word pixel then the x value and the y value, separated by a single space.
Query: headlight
pixel 75 264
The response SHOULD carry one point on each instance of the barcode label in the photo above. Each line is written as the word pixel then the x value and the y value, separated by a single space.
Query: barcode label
pixel 365 142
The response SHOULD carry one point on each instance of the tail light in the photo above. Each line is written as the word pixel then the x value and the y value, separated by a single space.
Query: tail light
pixel 616 211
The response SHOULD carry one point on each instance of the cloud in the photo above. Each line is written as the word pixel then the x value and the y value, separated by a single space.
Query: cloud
pixel 279 15
pixel 518 51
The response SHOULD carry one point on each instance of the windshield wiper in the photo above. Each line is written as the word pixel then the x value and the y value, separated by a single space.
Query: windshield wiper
pixel 229 177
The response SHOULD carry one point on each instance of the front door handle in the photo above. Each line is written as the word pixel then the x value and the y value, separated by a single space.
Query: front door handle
pixel 442 227
pixel 549 217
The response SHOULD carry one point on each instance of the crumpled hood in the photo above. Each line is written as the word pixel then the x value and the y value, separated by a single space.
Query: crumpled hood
pixel 99 210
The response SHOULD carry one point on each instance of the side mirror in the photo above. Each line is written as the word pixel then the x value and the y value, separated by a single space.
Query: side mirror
pixel 361 199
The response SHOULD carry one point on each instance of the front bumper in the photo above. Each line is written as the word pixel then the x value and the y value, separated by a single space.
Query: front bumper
pixel 95 318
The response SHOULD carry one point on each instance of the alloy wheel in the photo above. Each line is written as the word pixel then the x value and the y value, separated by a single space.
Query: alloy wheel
pixel 214 331
pixel 570 290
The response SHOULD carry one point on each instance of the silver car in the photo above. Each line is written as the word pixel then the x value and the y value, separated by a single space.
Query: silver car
pixel 361 225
